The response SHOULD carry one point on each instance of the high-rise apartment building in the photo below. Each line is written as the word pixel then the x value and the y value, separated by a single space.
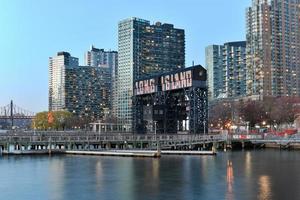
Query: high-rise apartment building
pixel 57 79
pixel 81 90
pixel 87 91
pixel 273 48
pixel 144 50
pixel 226 67
pixel 107 61
pixel 213 64
pixel 101 58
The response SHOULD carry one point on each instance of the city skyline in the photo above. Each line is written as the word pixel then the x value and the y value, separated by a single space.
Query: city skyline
pixel 30 38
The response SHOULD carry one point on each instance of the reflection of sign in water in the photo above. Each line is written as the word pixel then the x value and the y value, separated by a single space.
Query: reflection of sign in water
pixel 176 81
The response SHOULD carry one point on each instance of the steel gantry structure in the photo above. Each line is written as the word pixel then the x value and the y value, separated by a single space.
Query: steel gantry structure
pixel 172 103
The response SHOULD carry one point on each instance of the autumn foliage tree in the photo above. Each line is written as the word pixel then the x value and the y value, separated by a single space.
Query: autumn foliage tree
pixel 58 120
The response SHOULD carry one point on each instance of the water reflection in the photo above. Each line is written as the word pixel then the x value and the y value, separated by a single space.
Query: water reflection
pixel 230 179
pixel 204 166
pixel 99 173
pixel 248 164
pixel 264 188
pixel 56 178
pixel 155 170
pixel 246 175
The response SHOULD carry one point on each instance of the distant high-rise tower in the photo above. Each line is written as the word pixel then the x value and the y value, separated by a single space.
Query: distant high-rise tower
pixel 213 64
pixel 107 60
pixel 226 66
pixel 144 50
pixel 57 79
pixel 273 48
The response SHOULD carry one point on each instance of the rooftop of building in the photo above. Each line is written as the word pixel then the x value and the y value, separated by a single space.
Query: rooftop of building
pixel 63 53
pixel 93 48
pixel 158 23
pixel 236 43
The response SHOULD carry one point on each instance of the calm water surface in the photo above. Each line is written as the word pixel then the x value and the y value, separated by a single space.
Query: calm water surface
pixel 270 174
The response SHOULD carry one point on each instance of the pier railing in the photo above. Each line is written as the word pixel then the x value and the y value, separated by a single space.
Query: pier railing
pixel 61 137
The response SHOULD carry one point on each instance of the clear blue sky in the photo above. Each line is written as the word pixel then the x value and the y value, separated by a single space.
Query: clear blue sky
pixel 33 30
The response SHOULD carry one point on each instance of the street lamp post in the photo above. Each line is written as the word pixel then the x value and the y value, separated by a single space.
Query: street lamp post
pixel 156 138
pixel 247 127
pixel 34 127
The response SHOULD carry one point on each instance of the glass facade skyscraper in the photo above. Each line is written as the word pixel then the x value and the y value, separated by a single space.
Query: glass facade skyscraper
pixel 226 66
pixel 273 48
pixel 144 50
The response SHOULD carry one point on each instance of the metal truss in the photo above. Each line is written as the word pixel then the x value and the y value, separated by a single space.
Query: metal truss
pixel 12 112
pixel 188 104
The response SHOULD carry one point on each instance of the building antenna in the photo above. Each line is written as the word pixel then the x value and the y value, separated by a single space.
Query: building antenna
pixel 193 63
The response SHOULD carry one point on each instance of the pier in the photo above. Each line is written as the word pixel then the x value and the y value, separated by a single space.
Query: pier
pixel 127 144
pixel 75 142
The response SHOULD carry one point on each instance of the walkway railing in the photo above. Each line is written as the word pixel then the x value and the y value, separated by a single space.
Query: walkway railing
pixel 76 136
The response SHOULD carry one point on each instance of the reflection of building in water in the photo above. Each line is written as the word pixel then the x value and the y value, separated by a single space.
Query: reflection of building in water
pixel 155 169
pixel 248 164
pixel 205 164
pixel 99 174
pixel 57 178
pixel 230 178
pixel 264 187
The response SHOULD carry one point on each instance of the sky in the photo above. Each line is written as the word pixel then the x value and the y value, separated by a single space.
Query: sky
pixel 31 31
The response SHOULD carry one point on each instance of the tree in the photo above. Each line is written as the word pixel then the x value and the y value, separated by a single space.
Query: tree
pixel 77 122
pixel 220 114
pixel 269 105
pixel 286 110
pixel 42 121
pixel 253 112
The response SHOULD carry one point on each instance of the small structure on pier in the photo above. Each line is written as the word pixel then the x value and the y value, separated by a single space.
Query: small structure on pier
pixel 104 127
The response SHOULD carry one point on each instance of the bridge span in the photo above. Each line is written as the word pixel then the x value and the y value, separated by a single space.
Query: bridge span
pixel 11 113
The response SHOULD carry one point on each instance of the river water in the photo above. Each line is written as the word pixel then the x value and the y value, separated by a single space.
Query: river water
pixel 264 174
